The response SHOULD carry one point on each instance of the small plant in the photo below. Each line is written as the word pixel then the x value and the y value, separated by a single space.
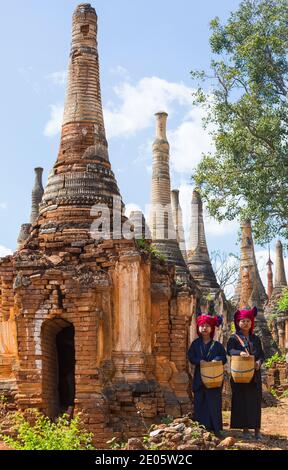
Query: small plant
pixel 149 445
pixel 283 301
pixel 273 392
pixel 3 402
pixel 167 420
pixel 284 394
pixel 155 252
pixel 276 358
pixel 144 245
pixel 41 433
pixel 114 444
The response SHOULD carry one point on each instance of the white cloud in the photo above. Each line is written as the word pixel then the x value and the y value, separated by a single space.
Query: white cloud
pixel 3 205
pixel 58 78
pixel 217 229
pixel 120 72
pixel 139 103
pixel 53 126
pixel 5 251
pixel 188 142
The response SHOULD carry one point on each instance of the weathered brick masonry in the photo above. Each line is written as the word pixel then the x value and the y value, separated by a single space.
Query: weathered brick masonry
pixel 99 325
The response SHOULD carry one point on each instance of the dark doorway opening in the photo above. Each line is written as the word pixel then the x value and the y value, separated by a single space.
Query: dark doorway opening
pixel 66 367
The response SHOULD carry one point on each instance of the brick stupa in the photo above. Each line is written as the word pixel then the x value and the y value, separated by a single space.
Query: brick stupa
pixel 91 324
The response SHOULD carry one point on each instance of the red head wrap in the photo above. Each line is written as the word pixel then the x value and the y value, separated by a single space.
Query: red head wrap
pixel 240 314
pixel 211 321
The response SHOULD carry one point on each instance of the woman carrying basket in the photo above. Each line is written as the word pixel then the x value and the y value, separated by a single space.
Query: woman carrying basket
pixel 207 401
pixel 246 397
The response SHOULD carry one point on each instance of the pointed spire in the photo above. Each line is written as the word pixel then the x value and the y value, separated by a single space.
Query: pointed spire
pixel 160 218
pixel 178 222
pixel 198 256
pixel 248 264
pixel 280 276
pixel 37 194
pixel 269 276
pixel 25 230
pixel 82 175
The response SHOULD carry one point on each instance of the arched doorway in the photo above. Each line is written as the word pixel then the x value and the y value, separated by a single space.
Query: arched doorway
pixel 58 369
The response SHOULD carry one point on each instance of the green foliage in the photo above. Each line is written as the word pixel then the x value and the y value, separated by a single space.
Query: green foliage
pixel 274 359
pixel 3 400
pixel 283 301
pixel 284 394
pixel 114 444
pixel 273 392
pixel 167 420
pixel 246 112
pixel 44 434
pixel 144 245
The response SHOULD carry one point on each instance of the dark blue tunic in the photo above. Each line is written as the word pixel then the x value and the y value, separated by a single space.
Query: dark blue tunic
pixel 246 398
pixel 207 401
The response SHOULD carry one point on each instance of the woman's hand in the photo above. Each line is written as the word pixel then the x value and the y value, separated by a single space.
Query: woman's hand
pixel 257 365
pixel 244 354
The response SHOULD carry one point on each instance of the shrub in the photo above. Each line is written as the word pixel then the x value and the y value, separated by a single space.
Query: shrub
pixel 44 434
pixel 283 301
pixel 274 359
pixel 144 245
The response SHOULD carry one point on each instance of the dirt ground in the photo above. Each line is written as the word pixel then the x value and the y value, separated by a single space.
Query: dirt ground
pixel 274 429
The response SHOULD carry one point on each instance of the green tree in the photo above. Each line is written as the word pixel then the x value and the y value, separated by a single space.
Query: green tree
pixel 246 102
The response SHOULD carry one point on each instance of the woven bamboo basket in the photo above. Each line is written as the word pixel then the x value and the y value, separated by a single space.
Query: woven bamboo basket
pixel 212 374
pixel 242 368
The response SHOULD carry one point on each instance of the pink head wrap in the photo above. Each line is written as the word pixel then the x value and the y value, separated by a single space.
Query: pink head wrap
pixel 211 321
pixel 240 314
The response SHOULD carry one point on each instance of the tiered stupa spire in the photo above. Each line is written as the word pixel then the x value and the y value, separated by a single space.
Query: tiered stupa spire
pixel 269 277
pixel 280 276
pixel 82 175
pixel 37 194
pixel 161 222
pixel 178 222
pixel 199 262
pixel 250 290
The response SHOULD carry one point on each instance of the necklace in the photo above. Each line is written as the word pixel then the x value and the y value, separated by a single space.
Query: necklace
pixel 203 350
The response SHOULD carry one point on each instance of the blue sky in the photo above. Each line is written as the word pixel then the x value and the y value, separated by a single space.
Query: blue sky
pixel 147 50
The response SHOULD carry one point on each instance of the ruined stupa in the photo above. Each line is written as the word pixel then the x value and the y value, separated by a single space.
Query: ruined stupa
pixel 178 222
pixel 250 291
pixel 198 256
pixel 278 319
pixel 88 321
pixel 161 221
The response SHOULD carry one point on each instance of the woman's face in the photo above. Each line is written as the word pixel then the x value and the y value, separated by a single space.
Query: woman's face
pixel 205 329
pixel 245 324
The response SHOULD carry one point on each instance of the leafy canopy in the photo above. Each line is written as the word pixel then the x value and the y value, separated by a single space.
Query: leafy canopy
pixel 246 103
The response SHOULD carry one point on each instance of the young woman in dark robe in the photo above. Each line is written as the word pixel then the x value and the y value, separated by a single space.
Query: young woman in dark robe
pixel 246 397
pixel 207 401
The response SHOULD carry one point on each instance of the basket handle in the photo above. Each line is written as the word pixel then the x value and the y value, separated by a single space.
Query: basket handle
pixel 208 377
pixel 242 371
